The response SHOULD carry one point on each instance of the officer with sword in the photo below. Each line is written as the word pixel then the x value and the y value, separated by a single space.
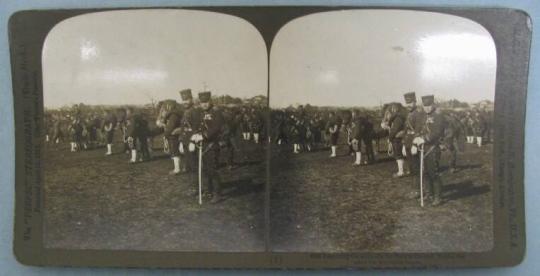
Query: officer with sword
pixel 428 142
pixel 207 141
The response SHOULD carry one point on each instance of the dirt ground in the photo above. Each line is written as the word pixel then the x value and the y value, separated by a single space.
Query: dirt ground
pixel 317 204
pixel 320 204
pixel 93 201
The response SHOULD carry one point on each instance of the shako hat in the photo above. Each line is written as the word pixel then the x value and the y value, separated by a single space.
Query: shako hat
pixel 205 96
pixel 185 94
pixel 410 97
pixel 428 100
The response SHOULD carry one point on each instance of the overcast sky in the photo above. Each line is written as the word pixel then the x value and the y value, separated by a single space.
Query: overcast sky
pixel 129 57
pixel 369 57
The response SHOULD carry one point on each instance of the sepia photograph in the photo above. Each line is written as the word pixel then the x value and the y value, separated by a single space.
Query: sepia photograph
pixel 382 133
pixel 311 137
pixel 154 132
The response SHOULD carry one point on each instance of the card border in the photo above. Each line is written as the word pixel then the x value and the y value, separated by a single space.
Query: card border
pixel 511 31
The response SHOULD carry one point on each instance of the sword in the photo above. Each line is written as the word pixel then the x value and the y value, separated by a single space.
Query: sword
pixel 422 175
pixel 200 172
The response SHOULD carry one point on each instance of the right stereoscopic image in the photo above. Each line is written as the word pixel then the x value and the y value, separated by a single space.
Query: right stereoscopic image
pixel 381 132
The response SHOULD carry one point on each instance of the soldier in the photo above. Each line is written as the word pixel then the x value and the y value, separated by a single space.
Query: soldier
pixel 332 128
pixel 46 126
pixel 190 124
pixel 244 125
pixel 58 134
pixel 362 133
pixel 230 130
pixel 109 124
pixel 93 126
pixel 76 131
pixel 396 132
pixel 137 136
pixel 479 127
pixel 170 119
pixel 453 138
pixel 210 135
pixel 429 139
pixel 255 124
pixel 298 133
pixel 413 126
pixel 469 129
pixel 280 136
pixel 318 128
pixel 367 138
pixel 488 117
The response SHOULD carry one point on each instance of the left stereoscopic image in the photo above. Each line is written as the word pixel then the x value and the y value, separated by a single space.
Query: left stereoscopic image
pixel 154 132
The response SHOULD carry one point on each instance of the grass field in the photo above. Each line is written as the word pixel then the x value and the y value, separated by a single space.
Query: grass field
pixel 317 204
pixel 93 201
pixel 320 204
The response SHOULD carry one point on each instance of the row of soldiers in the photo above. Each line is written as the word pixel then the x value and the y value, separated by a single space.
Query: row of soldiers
pixel 406 128
pixel 185 127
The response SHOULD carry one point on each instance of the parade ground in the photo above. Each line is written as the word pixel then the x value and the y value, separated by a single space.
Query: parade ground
pixel 327 205
pixel 93 201
pixel 317 204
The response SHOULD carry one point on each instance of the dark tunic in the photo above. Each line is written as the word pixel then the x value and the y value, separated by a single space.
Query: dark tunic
pixel 108 126
pixel 396 134
pixel 332 128
pixel 212 131
pixel 172 121
pixel 433 134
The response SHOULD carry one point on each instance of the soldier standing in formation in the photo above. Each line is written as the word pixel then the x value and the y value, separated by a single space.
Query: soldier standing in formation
pixel 396 132
pixel 362 134
pixel 332 129
pixel 479 127
pixel 413 126
pixel 76 131
pixel 230 130
pixel 210 136
pixel 190 124
pixel 137 136
pixel 170 119
pixel 429 139
pixel 109 124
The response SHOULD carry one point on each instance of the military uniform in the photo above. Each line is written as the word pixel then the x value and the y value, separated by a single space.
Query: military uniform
pixel 255 125
pixel 396 133
pixel 57 130
pixel 76 131
pixel 413 126
pixel 212 131
pixel 230 129
pixel 332 128
pixel 109 125
pixel 190 124
pixel 479 128
pixel 362 136
pixel 137 132
pixel 431 136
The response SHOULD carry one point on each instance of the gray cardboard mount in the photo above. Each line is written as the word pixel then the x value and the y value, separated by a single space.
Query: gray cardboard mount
pixel 511 31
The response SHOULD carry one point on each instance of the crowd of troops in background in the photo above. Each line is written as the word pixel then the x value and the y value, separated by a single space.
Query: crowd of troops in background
pixel 186 126
pixel 404 128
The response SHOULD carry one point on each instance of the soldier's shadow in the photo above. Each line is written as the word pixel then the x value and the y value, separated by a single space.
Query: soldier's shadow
pixel 241 187
pixel 463 189
pixel 160 156
pixel 461 167
pixel 243 163
pixel 384 159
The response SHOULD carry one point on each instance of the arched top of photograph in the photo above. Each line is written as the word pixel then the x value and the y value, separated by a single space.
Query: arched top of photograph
pixel 365 58
pixel 138 57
